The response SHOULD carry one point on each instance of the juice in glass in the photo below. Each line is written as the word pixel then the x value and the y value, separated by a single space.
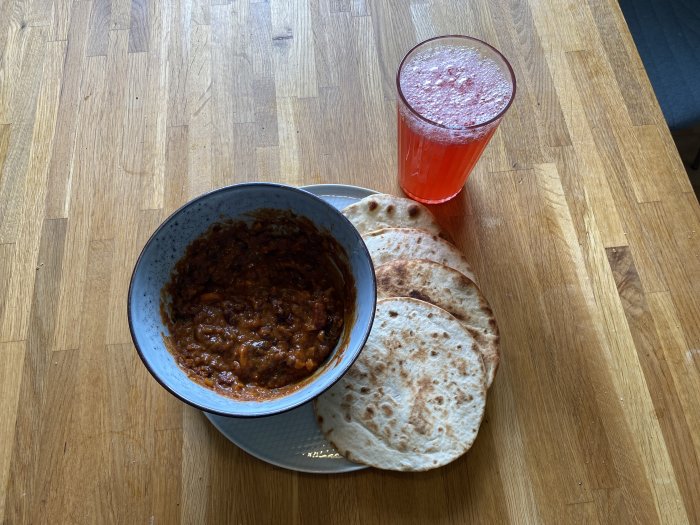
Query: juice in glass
pixel 453 92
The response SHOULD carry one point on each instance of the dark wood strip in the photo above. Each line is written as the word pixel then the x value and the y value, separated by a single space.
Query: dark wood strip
pixel 5 132
pixel 138 28
pixel 521 124
pixel 100 19
pixel 7 255
pixel 611 26
pixel 550 119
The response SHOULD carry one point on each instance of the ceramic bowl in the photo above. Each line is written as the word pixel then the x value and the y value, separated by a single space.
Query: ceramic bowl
pixel 167 245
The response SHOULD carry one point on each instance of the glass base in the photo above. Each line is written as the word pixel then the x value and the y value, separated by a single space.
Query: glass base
pixel 431 201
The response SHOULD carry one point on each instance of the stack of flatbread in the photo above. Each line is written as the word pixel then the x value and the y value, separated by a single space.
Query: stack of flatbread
pixel 416 395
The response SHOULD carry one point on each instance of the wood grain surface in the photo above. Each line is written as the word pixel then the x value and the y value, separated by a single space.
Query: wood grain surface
pixel 579 221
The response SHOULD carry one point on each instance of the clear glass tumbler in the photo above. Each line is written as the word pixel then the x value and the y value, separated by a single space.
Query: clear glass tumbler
pixel 453 91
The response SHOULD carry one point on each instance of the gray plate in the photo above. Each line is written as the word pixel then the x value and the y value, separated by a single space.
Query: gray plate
pixel 292 440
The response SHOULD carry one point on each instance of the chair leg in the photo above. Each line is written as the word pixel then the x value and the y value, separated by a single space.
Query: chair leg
pixel 696 163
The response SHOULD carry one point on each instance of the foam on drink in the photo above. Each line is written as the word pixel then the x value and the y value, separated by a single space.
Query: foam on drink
pixel 455 87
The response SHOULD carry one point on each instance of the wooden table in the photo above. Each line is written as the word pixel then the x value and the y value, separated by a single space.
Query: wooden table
pixel 579 221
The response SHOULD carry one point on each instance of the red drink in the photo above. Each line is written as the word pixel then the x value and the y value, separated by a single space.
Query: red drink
pixel 453 92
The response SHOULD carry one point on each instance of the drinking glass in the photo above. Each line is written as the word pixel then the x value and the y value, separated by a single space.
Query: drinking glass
pixel 453 92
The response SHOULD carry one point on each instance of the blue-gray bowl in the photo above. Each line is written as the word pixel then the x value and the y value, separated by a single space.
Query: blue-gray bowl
pixel 167 245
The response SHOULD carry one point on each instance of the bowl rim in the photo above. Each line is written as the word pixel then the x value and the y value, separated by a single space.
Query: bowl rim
pixel 342 370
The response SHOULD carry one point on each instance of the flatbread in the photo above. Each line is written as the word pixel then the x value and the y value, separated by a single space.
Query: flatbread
pixel 416 395
pixel 450 290
pixel 387 211
pixel 390 244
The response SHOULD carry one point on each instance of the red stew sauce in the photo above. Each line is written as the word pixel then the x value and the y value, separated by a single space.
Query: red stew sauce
pixel 256 306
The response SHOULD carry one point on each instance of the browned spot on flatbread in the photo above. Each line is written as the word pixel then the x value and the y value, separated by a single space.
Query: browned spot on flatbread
pixel 400 268
pixel 392 313
pixel 372 426
pixel 372 205
pixel 383 280
pixel 390 209
pixel 388 412
pixel 416 294
pixel 439 400
pixel 462 397
pixel 364 390
pixel 413 210
pixel 420 414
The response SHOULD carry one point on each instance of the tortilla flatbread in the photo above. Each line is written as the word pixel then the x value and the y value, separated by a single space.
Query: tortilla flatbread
pixel 450 290
pixel 390 244
pixel 416 395
pixel 388 211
